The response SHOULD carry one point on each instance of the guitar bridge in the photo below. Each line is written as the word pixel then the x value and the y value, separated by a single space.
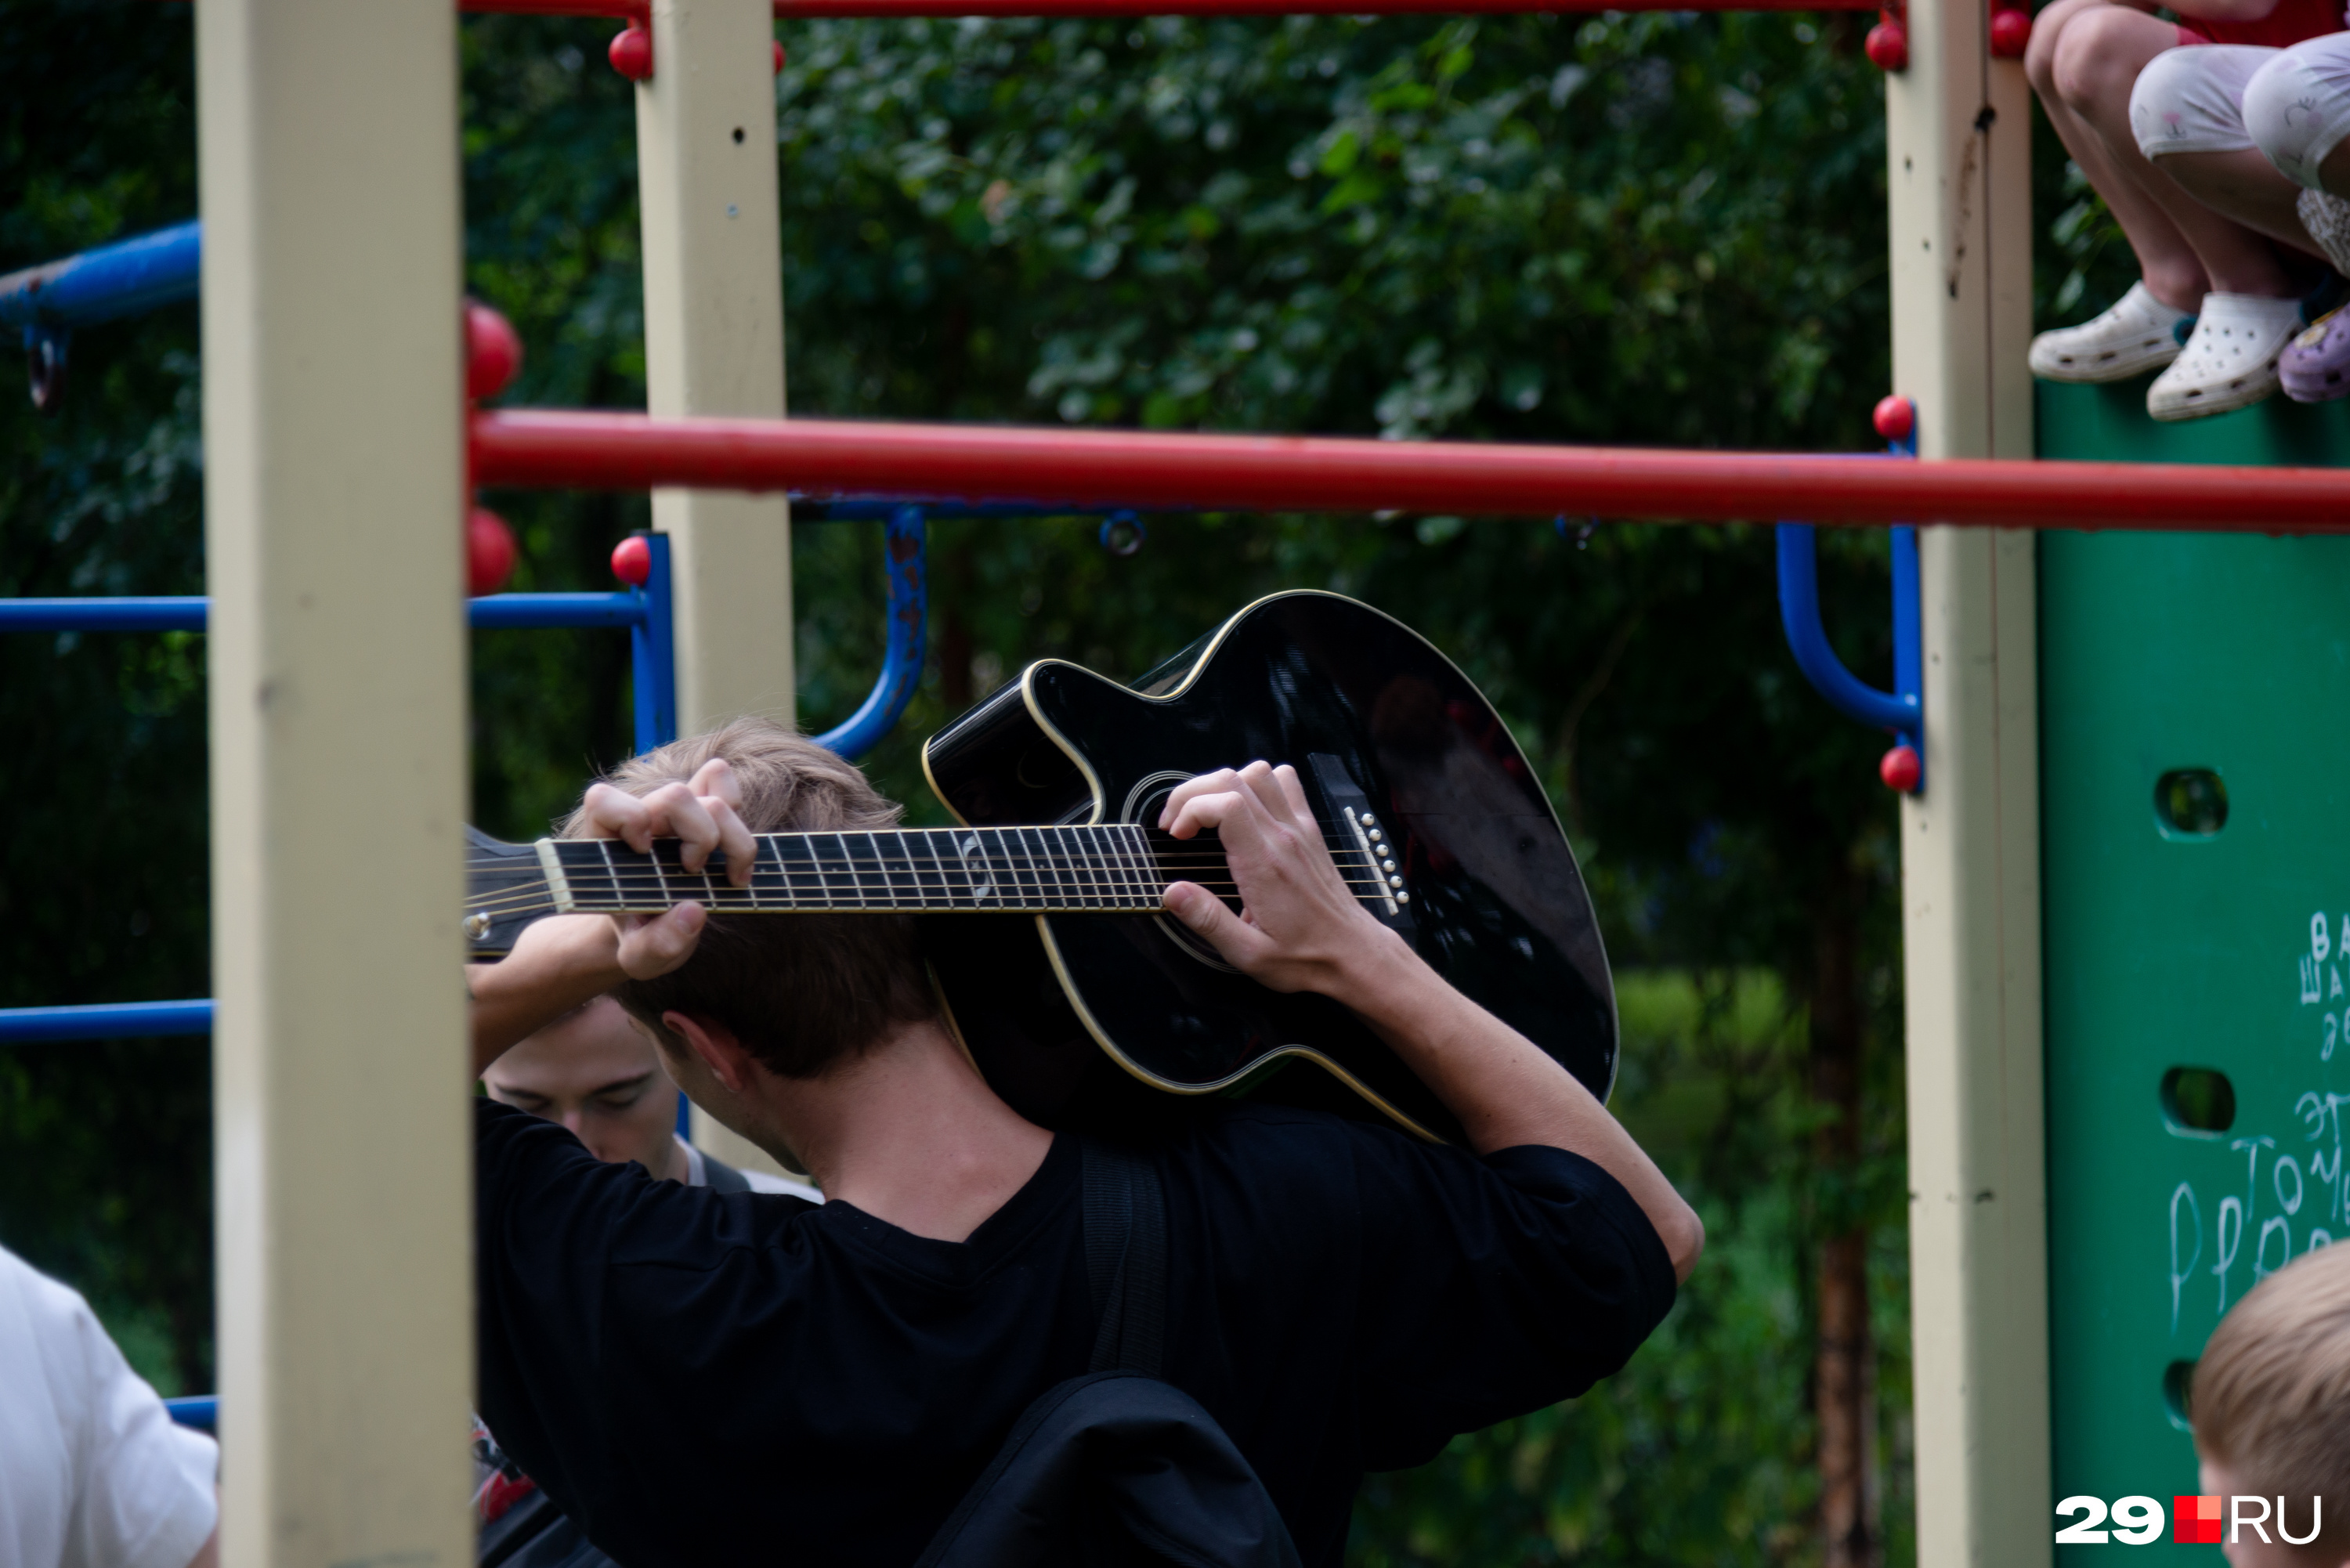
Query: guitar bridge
pixel 1372 842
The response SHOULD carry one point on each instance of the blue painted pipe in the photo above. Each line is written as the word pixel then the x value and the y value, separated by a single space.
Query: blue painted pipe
pixel 880 508
pixel 202 1412
pixel 106 1021
pixel 534 611
pixel 120 279
pixel 901 666
pixel 652 652
pixel 645 612
pixel 185 612
pixel 1799 611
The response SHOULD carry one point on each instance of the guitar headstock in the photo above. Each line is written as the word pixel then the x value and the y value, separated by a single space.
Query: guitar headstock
pixel 505 889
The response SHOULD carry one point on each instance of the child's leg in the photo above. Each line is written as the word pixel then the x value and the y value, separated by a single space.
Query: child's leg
pixel 2189 110
pixel 2173 273
pixel 2297 112
pixel 2098 56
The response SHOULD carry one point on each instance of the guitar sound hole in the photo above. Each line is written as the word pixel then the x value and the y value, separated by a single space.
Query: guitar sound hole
pixel 1145 810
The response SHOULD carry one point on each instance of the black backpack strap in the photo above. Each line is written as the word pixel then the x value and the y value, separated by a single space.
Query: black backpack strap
pixel 1125 1259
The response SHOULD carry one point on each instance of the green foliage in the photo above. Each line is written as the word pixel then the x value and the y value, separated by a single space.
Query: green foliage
pixel 107 1175
pixel 1697 1453
pixel 1404 225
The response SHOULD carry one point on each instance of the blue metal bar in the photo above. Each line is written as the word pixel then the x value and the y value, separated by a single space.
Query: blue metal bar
pixel 644 611
pixel 185 612
pixel 1901 710
pixel 202 1412
pixel 120 279
pixel 530 611
pixel 173 613
pixel 106 1021
pixel 1909 634
pixel 652 651
pixel 882 508
pixel 902 665
pixel 1808 640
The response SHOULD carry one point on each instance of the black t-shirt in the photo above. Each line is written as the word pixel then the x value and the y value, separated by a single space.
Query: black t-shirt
pixel 703 1378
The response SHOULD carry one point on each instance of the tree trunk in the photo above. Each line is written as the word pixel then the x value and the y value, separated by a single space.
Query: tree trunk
pixel 1843 1381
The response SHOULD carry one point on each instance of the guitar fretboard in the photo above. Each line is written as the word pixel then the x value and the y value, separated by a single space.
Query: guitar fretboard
pixel 1112 869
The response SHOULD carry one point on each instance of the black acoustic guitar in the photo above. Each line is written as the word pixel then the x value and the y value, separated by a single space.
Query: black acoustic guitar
pixel 1041 914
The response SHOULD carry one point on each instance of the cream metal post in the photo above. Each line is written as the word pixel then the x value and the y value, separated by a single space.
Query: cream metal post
pixel 1958 144
pixel 715 340
pixel 714 345
pixel 334 490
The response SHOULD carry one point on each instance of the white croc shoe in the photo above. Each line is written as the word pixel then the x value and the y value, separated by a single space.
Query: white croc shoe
pixel 2139 334
pixel 2230 362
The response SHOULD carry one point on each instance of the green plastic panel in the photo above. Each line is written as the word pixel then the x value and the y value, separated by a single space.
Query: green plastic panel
pixel 2170 949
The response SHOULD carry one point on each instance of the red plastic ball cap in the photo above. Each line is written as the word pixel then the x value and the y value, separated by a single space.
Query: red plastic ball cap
pixel 632 560
pixel 1894 417
pixel 781 59
pixel 489 552
pixel 1902 770
pixel 632 52
pixel 493 351
pixel 2010 30
pixel 1887 46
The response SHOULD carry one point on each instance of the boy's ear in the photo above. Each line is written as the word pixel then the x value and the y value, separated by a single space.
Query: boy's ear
pixel 715 1047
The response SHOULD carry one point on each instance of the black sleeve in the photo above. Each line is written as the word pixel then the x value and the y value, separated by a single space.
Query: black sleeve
pixel 574 1367
pixel 1492 1287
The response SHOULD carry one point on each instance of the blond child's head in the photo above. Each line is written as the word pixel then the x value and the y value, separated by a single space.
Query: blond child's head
pixel 2271 1411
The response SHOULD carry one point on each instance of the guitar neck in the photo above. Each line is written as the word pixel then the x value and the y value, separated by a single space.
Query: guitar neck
pixel 1108 869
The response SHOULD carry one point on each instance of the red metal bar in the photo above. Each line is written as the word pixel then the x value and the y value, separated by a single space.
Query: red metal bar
pixel 593 451
pixel 799 8
pixel 618 10
pixel 626 10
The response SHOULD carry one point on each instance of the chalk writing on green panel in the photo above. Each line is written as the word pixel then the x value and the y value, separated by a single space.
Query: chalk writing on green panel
pixel 2195 826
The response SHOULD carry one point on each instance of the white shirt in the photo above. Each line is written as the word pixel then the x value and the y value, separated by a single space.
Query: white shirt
pixel 697 1174
pixel 93 1474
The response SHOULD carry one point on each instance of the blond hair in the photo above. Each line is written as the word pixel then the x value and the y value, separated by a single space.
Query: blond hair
pixel 802 993
pixel 2270 1397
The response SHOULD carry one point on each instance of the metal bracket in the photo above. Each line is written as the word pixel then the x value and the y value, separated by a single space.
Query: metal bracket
pixel 1902 709
pixel 902 665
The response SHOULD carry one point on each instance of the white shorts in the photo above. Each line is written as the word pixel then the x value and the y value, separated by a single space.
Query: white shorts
pixel 2292 104
pixel 2191 98
pixel 2297 106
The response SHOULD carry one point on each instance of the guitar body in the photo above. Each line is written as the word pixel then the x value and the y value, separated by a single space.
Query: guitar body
pixel 1070 1015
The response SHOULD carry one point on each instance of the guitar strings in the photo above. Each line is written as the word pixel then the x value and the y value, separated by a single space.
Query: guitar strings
pixel 1016 906
pixel 1058 874
pixel 1091 875
pixel 665 890
pixel 1055 871
pixel 657 896
pixel 1182 851
pixel 1179 848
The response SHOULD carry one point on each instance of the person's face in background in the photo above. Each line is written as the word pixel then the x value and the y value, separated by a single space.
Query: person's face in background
pixel 594 1072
